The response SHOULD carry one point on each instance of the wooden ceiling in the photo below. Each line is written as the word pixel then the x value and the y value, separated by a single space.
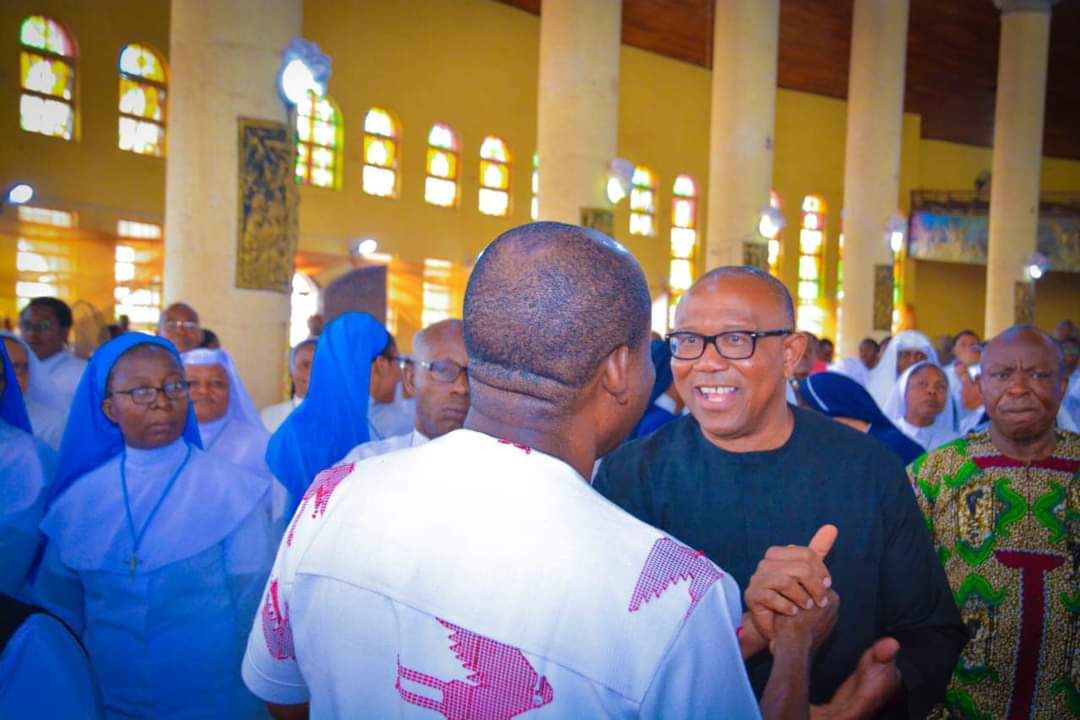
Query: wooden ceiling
pixel 951 58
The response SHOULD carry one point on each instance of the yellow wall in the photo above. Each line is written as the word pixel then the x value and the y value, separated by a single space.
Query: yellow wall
pixel 473 65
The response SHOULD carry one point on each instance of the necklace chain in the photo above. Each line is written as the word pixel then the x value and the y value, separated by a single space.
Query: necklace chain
pixel 136 538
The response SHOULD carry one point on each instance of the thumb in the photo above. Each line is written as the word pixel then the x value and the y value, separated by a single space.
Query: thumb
pixel 885 650
pixel 823 540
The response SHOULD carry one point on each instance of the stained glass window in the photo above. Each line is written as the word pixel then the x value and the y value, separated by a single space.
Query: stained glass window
pixel 534 205
pixel 683 239
pixel 643 202
pixel 775 243
pixel 436 291
pixel 142 101
pixel 811 314
pixel 494 177
pixel 47 78
pixel 441 185
pixel 318 142
pixel 380 153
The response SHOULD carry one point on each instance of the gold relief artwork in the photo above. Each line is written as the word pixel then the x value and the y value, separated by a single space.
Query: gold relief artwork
pixel 756 254
pixel 1024 308
pixel 268 204
pixel 598 219
pixel 883 297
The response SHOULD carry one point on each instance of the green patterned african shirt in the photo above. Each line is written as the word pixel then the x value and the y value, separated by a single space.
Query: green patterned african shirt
pixel 1006 532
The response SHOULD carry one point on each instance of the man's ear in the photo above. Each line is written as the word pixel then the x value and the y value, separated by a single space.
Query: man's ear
pixel 794 349
pixel 615 374
pixel 408 378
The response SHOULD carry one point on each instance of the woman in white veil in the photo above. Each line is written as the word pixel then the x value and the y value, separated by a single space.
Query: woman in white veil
pixel 920 423
pixel 903 351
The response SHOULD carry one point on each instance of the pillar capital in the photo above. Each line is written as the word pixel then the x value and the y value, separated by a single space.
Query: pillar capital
pixel 1011 6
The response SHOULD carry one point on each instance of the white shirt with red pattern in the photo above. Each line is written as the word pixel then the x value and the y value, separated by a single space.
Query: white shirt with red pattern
pixel 472 578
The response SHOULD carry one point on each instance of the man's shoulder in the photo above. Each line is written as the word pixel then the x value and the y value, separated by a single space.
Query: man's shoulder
pixel 670 440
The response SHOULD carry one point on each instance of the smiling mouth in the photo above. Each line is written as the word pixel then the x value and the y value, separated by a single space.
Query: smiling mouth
pixel 711 394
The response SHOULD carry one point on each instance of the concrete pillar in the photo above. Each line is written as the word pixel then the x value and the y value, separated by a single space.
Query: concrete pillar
pixel 578 105
pixel 1018 132
pixel 875 115
pixel 224 59
pixel 745 41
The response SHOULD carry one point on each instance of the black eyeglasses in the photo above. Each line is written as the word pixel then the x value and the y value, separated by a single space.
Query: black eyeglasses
pixel 29 326
pixel 734 345
pixel 147 395
pixel 446 371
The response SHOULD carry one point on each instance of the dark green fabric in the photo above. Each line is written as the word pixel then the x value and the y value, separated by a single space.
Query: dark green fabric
pixel 734 506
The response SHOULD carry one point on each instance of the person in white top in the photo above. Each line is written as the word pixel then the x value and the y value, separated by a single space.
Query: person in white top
pixel 300 358
pixel 45 324
pixel 179 324
pixel 390 412
pixel 903 351
pixel 922 407
pixel 479 575
pixel 47 411
pixel 435 375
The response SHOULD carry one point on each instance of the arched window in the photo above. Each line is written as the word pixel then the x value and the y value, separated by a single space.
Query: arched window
pixel 381 133
pixel 683 237
pixel 811 314
pixel 318 142
pixel 47 78
pixel 772 232
pixel 441 185
pixel 643 202
pixel 534 205
pixel 143 90
pixel 494 177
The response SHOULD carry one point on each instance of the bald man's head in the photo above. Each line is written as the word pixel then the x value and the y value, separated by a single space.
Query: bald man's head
pixel 1022 382
pixel 436 334
pixel 547 303
pixel 777 290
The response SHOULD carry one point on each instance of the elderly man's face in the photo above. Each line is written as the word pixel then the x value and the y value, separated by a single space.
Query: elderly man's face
pixel 907 358
pixel 731 399
pixel 181 328
pixel 436 377
pixel 1022 386
pixel 21 361
pixel 40 328
pixel 209 391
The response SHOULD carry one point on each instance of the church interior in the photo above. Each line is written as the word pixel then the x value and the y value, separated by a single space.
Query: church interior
pixel 122 119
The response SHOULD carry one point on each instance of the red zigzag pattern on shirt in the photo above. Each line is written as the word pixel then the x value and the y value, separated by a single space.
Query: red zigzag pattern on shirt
pixel 667 563
pixel 275 626
pixel 321 489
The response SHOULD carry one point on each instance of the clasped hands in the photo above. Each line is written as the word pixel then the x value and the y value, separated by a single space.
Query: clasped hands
pixel 790 600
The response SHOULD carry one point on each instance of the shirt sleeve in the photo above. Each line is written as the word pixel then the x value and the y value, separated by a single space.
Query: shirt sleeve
pixel 917 603
pixel 59 589
pixel 702 673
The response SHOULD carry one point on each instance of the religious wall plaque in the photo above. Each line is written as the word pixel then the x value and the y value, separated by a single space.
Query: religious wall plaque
pixel 883 297
pixel 1024 307
pixel 268 203
pixel 599 219
pixel 756 254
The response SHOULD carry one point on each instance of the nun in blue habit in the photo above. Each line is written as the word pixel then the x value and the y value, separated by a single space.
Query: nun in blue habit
pixel 26 469
pixel 156 551
pixel 332 420
pixel 845 400
pixel 229 424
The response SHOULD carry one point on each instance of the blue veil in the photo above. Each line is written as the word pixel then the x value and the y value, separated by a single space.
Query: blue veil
pixel 332 420
pixel 12 407
pixel 838 395
pixel 90 438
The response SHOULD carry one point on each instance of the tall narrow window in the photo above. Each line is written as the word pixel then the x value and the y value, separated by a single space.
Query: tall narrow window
pixel 47 78
pixel 643 202
pixel 811 314
pixel 137 271
pixel 142 101
pixel 772 232
pixel 380 153
pixel 683 239
pixel 494 177
pixel 441 185
pixel 318 142
pixel 534 205
pixel 436 292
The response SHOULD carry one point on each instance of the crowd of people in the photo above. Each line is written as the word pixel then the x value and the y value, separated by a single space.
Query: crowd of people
pixel 543 509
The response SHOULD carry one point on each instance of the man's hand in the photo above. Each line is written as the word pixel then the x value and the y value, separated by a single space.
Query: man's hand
pixel 875 680
pixel 809 628
pixel 790 578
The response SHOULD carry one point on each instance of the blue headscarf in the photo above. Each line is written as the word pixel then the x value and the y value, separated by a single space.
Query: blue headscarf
pixel 838 395
pixel 90 438
pixel 654 416
pixel 12 407
pixel 332 420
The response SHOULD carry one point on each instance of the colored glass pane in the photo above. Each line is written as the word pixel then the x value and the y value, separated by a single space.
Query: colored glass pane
pixel 442 137
pixel 46 75
pixel 140 61
pixel 145 101
pixel 494 175
pixel 812 221
pixel 45 34
pixel 378 181
pixel 642 177
pixel 774 200
pixel 143 137
pixel 684 187
pixel 48 117
pixel 379 122
pixel 641 200
pixel 680 275
pixel 440 192
pixel 494 202
pixel 682 243
pixel 318 135
pixel 813 203
pixel 442 164
pixel 379 152
pixel 494 149
pixel 683 213
pixel 534 206
pixel 810 241
pixel 808 268
pixel 641 224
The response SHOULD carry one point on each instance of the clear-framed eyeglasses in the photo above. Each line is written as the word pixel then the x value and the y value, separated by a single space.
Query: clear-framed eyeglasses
pixel 733 345
pixel 177 325
pixel 446 371
pixel 147 395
